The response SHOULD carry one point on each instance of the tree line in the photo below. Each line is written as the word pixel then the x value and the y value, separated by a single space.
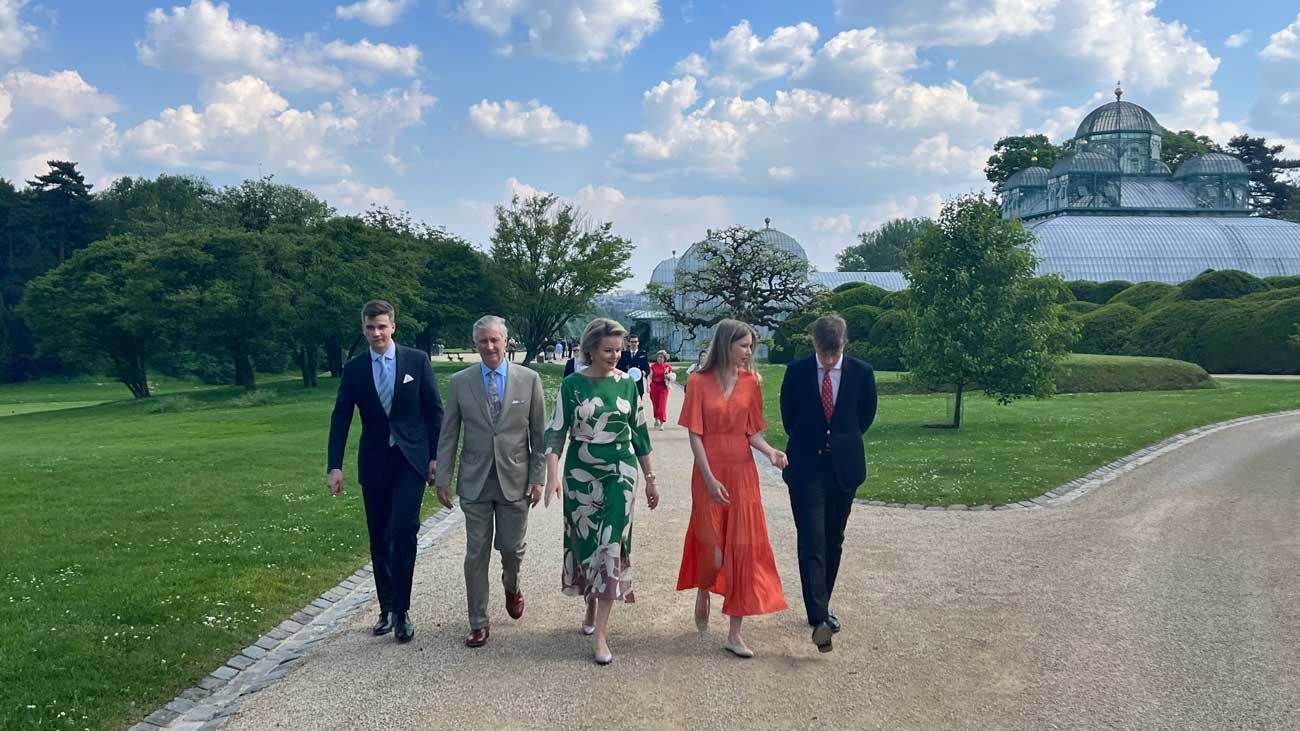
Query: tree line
pixel 177 276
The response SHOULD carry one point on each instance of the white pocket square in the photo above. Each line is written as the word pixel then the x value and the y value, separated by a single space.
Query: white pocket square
pixel 407 378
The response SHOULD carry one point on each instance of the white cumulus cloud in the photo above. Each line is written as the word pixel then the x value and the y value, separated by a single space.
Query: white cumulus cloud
pixel 528 124
pixel 582 31
pixel 203 39
pixel 740 59
pixel 1237 40
pixel 1284 45
pixel 374 12
pixel 16 36
pixel 54 116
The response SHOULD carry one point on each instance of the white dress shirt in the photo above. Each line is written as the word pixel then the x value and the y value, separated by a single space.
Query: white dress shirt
pixel 836 372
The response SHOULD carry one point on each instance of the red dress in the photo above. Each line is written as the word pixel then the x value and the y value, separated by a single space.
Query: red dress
pixel 659 389
pixel 747 577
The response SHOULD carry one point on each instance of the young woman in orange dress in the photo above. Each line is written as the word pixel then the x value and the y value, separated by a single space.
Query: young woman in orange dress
pixel 727 551
pixel 659 378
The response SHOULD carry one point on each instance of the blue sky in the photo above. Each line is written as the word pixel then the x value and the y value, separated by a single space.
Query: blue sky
pixel 666 117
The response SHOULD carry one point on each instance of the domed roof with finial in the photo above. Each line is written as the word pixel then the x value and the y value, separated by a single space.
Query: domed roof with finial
pixel 1031 177
pixel 692 261
pixel 1212 163
pixel 663 272
pixel 1118 116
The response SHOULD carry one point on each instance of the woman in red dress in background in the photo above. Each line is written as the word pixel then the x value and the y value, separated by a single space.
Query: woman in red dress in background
pixel 727 551
pixel 659 371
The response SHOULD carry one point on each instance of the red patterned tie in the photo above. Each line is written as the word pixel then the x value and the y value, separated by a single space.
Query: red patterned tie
pixel 828 396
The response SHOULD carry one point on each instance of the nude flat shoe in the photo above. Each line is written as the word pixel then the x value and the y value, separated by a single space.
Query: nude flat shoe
pixel 738 650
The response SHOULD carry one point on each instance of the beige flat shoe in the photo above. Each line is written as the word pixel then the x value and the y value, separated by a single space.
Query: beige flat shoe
pixel 738 650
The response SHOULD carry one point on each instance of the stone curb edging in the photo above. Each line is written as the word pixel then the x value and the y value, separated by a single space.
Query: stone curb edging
pixel 1073 490
pixel 213 699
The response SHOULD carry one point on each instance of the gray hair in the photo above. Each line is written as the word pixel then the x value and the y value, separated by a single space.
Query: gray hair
pixel 488 321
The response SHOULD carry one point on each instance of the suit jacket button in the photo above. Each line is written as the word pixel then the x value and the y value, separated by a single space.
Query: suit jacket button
pixel 828 432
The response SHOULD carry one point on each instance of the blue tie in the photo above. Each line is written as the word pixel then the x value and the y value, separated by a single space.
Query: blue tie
pixel 386 394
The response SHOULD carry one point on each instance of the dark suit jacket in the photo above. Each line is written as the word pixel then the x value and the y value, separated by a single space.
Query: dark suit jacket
pixel 805 421
pixel 627 359
pixel 415 420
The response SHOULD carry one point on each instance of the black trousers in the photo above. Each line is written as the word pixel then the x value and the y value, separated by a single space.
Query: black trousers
pixel 821 510
pixel 393 519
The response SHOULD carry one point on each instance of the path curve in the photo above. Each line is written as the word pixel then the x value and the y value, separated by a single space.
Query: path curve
pixel 1169 599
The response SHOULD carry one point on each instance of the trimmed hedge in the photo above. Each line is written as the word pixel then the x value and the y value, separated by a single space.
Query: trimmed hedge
pixel 900 300
pixel 887 337
pixel 1145 294
pixel 1273 295
pixel 1222 284
pixel 863 294
pixel 1102 373
pixel 1106 330
pixel 1170 331
pixel 860 319
pixel 1250 338
pixel 1284 281
pixel 1079 307
pixel 847 286
pixel 1098 293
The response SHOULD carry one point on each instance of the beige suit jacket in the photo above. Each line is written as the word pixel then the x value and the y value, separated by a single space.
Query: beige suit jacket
pixel 514 444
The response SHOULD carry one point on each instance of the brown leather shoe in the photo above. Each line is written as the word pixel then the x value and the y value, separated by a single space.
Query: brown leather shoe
pixel 515 604
pixel 478 637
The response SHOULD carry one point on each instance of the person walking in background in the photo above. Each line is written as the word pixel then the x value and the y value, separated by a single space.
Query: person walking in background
pixel 661 374
pixel 828 401
pixel 635 358
pixel 503 414
pixel 394 389
pixel 694 368
pixel 599 415
pixel 726 550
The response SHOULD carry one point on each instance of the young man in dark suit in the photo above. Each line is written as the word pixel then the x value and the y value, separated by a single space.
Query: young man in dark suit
pixel 394 389
pixel 635 357
pixel 828 401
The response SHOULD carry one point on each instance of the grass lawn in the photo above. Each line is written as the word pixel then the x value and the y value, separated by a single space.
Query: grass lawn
pixel 1007 453
pixel 147 541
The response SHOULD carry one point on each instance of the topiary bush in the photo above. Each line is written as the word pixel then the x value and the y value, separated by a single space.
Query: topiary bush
pixel 1273 295
pixel 1222 284
pixel 891 330
pixel 860 319
pixel 847 286
pixel 1106 331
pixel 863 294
pixel 1104 373
pixel 900 300
pixel 1145 294
pixel 1169 331
pixel 792 340
pixel 1251 337
pixel 1096 292
pixel 1284 281
pixel 1079 307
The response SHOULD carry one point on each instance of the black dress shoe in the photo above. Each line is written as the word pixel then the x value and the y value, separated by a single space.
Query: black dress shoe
pixel 821 637
pixel 384 625
pixel 402 627
pixel 833 621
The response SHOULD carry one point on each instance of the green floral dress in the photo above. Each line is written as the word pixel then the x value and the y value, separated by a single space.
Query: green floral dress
pixel 605 422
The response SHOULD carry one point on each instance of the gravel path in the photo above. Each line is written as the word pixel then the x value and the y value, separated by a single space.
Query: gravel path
pixel 1169 599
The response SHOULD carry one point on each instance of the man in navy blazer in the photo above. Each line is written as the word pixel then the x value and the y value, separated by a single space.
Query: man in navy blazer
pixel 394 389
pixel 828 401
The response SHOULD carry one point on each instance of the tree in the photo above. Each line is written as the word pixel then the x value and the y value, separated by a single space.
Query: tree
pixel 1270 195
pixel 549 264
pixel 101 303
pixel 981 316
pixel 168 204
pixel 256 205
pixel 1177 148
pixel 881 250
pixel 742 277
pixel 1013 154
pixel 66 212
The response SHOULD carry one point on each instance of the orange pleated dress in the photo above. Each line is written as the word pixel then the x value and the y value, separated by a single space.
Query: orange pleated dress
pixel 747 578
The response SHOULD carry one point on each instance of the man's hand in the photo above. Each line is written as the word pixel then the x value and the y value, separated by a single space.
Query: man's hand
pixel 433 470
pixel 534 495
pixel 444 495
pixel 336 482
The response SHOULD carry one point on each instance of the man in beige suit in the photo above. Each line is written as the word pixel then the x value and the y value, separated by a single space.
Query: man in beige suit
pixel 502 468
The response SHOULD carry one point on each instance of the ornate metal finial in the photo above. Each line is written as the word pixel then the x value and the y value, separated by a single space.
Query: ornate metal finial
pixel 674 253
pixel 1119 91
pixel 1033 158
pixel 767 223
pixel 708 233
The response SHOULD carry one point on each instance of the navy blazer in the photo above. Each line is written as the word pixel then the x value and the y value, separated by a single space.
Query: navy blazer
pixel 415 419
pixel 805 421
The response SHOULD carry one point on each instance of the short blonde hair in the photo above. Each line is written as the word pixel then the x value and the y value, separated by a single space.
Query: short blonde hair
pixel 597 330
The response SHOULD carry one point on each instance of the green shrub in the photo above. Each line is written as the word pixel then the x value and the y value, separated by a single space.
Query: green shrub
pixel 1169 331
pixel 889 333
pixel 1273 295
pixel 900 300
pixel 1250 338
pixel 1284 281
pixel 1096 373
pixel 1079 307
pixel 256 397
pixel 860 319
pixel 1096 292
pixel 1144 294
pixel 792 340
pixel 1222 284
pixel 847 286
pixel 1106 330
pixel 863 294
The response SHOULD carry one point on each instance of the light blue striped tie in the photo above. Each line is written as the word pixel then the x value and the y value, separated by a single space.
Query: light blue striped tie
pixel 386 393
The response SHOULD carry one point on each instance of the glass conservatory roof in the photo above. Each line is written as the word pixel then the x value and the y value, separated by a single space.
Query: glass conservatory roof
pixel 1212 163
pixel 691 260
pixel 1086 161
pixel 1118 116
pixel 1148 193
pixel 1030 177
pixel 663 272
pixel 1163 248
pixel 892 281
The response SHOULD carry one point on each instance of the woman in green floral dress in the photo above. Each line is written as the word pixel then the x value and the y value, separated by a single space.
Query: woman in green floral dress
pixel 601 415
